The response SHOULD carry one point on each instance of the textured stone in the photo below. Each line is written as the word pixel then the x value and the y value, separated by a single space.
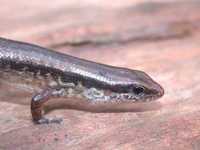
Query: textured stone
pixel 159 37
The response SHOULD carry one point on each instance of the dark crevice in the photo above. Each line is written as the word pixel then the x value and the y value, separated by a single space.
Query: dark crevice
pixel 145 34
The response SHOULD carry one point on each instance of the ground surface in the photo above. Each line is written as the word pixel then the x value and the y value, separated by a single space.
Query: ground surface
pixel 160 37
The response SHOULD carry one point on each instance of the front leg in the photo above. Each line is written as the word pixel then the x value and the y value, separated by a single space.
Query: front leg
pixel 38 101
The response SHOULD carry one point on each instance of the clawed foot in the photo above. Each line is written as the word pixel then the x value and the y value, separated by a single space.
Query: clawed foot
pixel 49 121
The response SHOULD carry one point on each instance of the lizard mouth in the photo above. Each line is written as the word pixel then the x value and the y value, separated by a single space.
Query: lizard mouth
pixel 94 94
pixel 133 97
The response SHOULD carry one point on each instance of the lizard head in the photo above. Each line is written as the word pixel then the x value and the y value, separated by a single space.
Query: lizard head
pixel 130 85
pixel 139 87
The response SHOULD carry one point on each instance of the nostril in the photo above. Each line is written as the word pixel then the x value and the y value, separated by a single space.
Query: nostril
pixel 161 92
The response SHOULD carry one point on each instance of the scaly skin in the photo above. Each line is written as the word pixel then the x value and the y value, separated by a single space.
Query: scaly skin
pixel 99 87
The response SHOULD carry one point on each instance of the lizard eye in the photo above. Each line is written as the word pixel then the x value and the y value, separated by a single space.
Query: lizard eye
pixel 138 90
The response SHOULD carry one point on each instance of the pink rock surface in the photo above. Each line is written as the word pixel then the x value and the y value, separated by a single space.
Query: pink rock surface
pixel 161 38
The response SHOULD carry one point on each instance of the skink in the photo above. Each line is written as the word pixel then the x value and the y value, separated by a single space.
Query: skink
pixel 89 85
